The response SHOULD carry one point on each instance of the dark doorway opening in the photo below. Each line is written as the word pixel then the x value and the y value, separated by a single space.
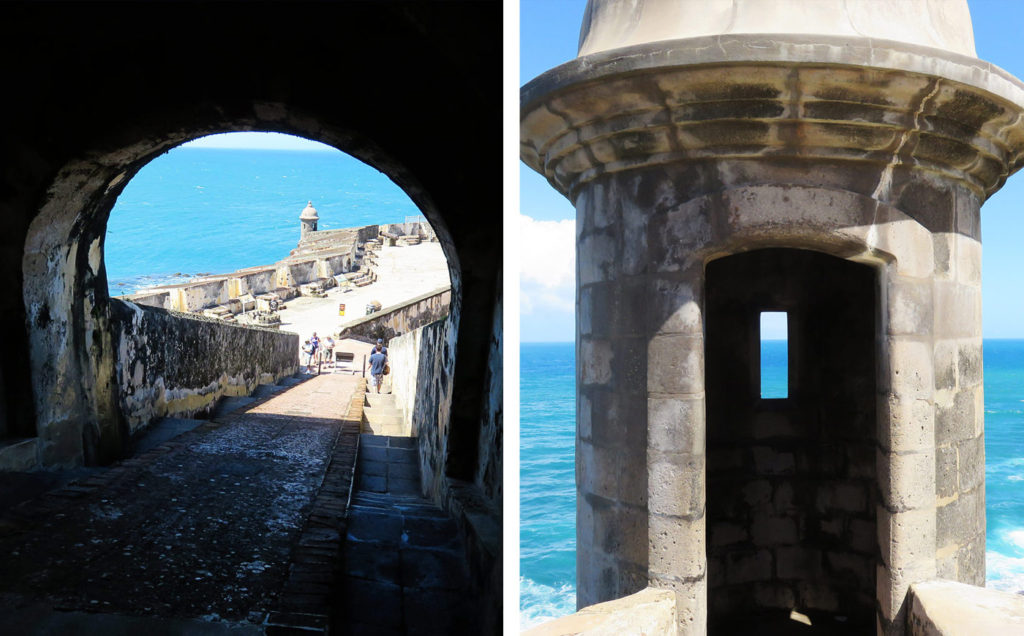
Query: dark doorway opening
pixel 791 482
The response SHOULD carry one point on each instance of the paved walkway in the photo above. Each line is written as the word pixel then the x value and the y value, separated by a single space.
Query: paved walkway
pixel 404 566
pixel 227 523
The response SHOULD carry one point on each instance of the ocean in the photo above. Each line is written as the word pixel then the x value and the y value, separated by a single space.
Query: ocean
pixel 198 211
pixel 547 535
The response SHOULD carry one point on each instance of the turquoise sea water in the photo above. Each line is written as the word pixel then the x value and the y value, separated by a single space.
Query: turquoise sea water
pixel 208 210
pixel 548 498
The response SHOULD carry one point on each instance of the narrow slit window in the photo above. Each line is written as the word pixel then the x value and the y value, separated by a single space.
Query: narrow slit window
pixel 774 355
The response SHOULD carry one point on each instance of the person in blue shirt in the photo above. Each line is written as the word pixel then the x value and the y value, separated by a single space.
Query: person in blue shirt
pixel 378 360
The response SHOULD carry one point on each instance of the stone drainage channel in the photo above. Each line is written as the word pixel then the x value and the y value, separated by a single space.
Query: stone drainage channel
pixel 232 524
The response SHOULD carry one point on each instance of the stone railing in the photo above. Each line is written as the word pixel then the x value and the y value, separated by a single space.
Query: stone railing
pixel 650 612
pixel 173 364
pixel 394 320
pixel 948 608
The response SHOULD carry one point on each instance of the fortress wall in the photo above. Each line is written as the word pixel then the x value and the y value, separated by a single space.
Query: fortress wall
pixel 331 265
pixel 422 363
pixel 178 365
pixel 161 299
pixel 367 232
pixel 321 257
pixel 260 282
pixel 390 322
pixel 195 296
pixel 297 273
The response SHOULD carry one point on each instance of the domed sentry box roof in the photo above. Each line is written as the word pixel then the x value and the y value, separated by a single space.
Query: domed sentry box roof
pixel 309 213
pixel 827 160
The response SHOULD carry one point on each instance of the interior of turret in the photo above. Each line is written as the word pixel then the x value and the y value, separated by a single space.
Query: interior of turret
pixel 791 481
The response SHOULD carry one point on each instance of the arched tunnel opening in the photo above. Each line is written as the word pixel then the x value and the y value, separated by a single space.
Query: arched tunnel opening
pixel 792 488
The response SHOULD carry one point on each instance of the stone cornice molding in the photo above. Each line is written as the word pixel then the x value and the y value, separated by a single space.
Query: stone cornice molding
pixel 882 105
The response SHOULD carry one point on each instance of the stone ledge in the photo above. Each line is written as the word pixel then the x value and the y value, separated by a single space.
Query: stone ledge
pixel 650 611
pixel 18 455
pixel 950 608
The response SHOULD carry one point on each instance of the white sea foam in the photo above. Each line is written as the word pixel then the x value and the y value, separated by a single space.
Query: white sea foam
pixel 1004 572
pixel 1016 537
pixel 539 603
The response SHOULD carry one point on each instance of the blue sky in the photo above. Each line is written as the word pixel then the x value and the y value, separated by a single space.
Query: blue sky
pixel 549 32
pixel 258 141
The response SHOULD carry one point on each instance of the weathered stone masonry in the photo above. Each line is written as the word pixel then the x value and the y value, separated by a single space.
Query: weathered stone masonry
pixel 717 174
pixel 171 364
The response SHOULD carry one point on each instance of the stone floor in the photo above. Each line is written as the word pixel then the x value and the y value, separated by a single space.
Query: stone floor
pixel 205 526
pixel 404 565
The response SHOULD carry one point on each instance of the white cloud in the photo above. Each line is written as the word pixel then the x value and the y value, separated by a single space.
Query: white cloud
pixel 547 277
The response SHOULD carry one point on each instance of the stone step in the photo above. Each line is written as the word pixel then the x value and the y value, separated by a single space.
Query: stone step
pixel 383 420
pixel 395 430
pixel 382 411
pixel 380 399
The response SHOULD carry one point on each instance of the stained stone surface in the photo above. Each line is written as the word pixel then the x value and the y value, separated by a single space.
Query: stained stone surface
pixel 200 527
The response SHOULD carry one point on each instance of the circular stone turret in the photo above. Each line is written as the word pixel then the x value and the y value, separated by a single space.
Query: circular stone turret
pixel 690 134
pixel 308 219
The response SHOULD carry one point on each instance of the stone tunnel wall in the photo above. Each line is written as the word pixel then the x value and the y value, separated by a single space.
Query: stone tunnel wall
pixel 422 363
pixel 172 364
pixel 421 368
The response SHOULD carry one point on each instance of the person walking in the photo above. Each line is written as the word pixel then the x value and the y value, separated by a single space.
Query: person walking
pixel 378 365
pixel 307 355
pixel 329 350
pixel 314 342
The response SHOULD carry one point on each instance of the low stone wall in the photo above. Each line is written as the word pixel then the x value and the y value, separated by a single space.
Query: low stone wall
pixel 173 364
pixel 948 608
pixel 395 320
pixel 422 365
pixel 650 611
pixel 422 362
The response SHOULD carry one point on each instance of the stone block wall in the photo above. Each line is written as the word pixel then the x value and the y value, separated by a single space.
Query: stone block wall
pixel 161 299
pixel 201 294
pixel 261 281
pixel 172 364
pixel 291 274
pixel 959 438
pixel 422 363
pixel 421 366
pixel 395 320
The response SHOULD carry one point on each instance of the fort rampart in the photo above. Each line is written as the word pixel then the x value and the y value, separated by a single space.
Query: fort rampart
pixel 170 364
pixel 396 320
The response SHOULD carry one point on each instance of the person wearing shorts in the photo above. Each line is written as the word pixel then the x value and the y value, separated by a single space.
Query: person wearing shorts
pixel 378 360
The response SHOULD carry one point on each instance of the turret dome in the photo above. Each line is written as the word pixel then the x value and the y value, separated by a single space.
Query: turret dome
pixel 309 213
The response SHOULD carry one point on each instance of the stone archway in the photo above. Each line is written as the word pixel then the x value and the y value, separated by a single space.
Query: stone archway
pixel 65 290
